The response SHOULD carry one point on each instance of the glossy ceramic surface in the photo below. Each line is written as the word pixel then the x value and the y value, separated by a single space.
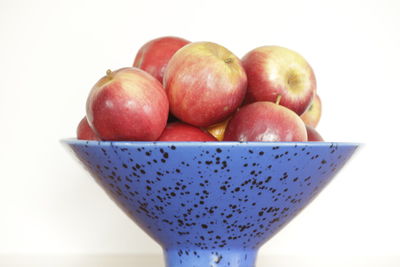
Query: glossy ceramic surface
pixel 213 203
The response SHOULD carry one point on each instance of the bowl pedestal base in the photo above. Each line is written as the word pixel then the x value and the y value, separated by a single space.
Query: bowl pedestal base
pixel 182 257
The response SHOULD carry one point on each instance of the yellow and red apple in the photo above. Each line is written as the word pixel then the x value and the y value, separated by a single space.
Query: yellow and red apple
pixel 205 83
pixel 265 121
pixel 178 131
pixel 127 104
pixel 312 115
pixel 313 135
pixel 276 72
pixel 154 56
pixel 84 132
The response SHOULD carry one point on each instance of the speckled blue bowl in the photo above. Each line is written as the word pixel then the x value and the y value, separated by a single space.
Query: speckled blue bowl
pixel 212 203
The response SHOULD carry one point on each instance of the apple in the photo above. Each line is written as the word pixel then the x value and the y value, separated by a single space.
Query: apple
pixel 127 104
pixel 265 121
pixel 205 83
pixel 312 115
pixel 313 135
pixel 217 130
pixel 84 132
pixel 274 71
pixel 154 56
pixel 178 131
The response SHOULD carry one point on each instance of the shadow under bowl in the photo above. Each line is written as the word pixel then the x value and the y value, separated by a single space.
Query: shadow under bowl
pixel 212 203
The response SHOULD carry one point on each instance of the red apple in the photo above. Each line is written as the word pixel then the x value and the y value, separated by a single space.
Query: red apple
pixel 313 113
pixel 313 135
pixel 205 83
pixel 273 72
pixel 178 131
pixel 154 56
pixel 265 121
pixel 84 132
pixel 127 104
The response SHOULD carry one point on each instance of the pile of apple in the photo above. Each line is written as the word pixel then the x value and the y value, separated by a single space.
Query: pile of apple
pixel 200 91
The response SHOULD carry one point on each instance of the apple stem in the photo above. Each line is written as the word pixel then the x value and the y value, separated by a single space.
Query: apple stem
pixel 278 99
pixel 228 60
pixel 108 72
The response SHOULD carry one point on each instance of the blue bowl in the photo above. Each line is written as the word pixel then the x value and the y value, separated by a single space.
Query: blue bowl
pixel 212 203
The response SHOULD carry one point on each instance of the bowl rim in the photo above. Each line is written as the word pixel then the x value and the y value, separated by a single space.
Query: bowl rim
pixel 75 141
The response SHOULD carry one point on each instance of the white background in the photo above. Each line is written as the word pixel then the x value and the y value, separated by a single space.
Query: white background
pixel 52 52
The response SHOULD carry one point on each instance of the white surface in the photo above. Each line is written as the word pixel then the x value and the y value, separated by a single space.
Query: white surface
pixel 52 52
pixel 156 260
